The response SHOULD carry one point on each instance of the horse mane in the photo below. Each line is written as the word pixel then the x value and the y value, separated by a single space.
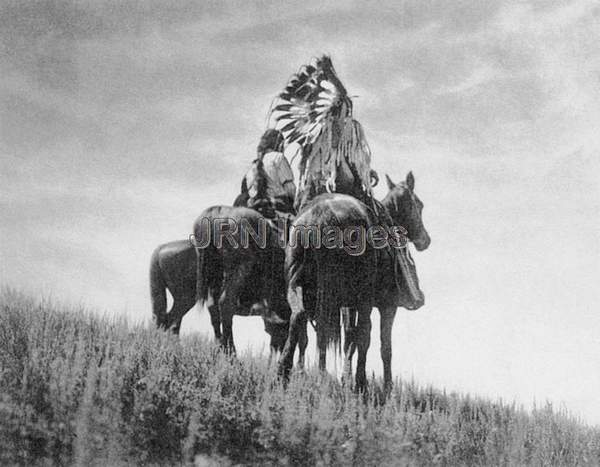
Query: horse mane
pixel 390 201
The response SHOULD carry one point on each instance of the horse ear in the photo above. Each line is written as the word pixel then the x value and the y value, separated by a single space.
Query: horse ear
pixel 374 176
pixel 391 185
pixel 410 181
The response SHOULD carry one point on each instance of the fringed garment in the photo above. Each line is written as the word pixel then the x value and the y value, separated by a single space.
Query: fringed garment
pixel 315 112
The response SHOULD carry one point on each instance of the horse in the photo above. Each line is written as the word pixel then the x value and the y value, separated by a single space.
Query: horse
pixel 405 208
pixel 247 272
pixel 321 281
pixel 173 267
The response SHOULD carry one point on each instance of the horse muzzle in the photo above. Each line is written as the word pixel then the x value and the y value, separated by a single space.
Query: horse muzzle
pixel 423 242
pixel 417 302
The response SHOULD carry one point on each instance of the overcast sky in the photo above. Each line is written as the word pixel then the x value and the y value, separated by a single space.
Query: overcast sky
pixel 121 121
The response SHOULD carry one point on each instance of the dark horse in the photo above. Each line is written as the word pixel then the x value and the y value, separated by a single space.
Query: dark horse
pixel 405 208
pixel 322 280
pixel 173 267
pixel 244 263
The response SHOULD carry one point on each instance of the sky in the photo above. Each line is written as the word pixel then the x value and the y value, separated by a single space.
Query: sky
pixel 121 121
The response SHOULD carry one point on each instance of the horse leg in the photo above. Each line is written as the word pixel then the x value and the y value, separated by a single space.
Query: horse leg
pixel 176 326
pixel 228 333
pixel 181 305
pixel 363 340
pixel 297 329
pixel 272 350
pixel 227 306
pixel 327 310
pixel 275 327
pixel 387 315
pixel 322 347
pixel 349 321
pixel 275 347
pixel 233 285
pixel 215 320
pixel 302 344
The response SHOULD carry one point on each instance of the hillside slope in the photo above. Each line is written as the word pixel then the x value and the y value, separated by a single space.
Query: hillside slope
pixel 76 388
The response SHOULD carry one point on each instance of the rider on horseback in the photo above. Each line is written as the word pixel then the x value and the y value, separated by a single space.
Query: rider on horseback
pixel 268 187
pixel 315 111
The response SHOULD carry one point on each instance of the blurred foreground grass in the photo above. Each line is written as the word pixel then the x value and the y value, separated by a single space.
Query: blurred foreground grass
pixel 76 388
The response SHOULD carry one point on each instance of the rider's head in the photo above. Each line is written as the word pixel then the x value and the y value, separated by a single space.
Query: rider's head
pixel 271 140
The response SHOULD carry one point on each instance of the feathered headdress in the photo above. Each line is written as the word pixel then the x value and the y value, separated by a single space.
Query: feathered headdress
pixel 315 111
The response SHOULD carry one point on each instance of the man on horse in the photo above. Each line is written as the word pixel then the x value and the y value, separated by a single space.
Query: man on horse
pixel 268 187
pixel 315 112
pixel 251 279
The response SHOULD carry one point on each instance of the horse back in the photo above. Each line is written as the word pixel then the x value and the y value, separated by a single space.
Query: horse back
pixel 347 271
pixel 177 263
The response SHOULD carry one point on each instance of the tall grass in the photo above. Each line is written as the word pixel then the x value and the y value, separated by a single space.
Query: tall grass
pixel 76 388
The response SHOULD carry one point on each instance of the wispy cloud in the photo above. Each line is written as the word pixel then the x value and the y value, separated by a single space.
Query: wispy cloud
pixel 478 77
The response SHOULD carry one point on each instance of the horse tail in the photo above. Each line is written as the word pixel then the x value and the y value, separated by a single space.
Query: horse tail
pixel 327 306
pixel 208 272
pixel 307 267
pixel 158 289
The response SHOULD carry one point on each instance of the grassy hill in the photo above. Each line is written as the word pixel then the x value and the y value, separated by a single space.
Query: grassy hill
pixel 76 388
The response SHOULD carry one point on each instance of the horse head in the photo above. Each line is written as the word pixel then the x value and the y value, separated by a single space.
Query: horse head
pixel 406 209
